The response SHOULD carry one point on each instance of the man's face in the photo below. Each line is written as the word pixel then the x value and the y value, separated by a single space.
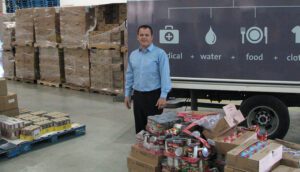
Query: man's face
pixel 144 37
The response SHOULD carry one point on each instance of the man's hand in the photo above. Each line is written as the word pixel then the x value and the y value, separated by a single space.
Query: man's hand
pixel 127 102
pixel 161 103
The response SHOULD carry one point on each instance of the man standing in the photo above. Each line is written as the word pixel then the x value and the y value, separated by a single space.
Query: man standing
pixel 148 78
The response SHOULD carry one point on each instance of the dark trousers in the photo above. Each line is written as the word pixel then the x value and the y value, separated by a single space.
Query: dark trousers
pixel 144 106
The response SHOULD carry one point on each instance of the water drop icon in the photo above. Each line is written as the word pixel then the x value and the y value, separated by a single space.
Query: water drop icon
pixel 210 37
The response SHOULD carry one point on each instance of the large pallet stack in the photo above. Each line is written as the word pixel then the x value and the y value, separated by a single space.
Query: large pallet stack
pixel 105 44
pixel 81 48
pixel 26 56
pixel 8 36
pixel 47 34
pixel 75 24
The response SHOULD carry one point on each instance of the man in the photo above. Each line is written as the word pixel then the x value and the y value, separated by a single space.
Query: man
pixel 148 78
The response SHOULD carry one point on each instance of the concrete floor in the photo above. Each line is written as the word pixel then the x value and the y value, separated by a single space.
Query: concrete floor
pixel 110 132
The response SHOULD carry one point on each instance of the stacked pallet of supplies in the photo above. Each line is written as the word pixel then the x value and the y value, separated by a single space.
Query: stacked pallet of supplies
pixel 26 54
pixel 8 100
pixel 41 122
pixel 47 38
pixel 84 52
pixel 105 49
pixel 208 141
pixel 75 24
pixel 8 37
pixel 30 126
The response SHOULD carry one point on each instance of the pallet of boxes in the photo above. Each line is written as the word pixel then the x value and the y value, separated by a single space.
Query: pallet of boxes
pixel 208 142
pixel 26 57
pixel 47 39
pixel 75 24
pixel 8 37
pixel 107 64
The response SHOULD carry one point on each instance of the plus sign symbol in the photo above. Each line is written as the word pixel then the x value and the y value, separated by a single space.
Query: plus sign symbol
pixel 169 36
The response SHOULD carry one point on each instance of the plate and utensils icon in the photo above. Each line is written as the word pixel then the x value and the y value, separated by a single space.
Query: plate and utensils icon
pixel 254 35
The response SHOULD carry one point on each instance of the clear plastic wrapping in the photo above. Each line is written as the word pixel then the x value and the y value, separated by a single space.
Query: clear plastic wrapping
pixel 26 63
pixel 106 73
pixel 51 64
pixel 8 64
pixel 24 27
pixel 46 25
pixel 77 67
pixel 210 121
pixel 8 35
pixel 75 24
pixel 110 36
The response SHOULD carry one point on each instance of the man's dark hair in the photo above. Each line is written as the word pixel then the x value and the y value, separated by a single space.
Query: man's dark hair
pixel 145 27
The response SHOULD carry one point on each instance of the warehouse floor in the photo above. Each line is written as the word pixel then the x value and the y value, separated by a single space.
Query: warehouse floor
pixel 110 132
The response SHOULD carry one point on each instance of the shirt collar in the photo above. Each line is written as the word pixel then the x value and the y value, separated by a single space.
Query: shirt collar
pixel 148 49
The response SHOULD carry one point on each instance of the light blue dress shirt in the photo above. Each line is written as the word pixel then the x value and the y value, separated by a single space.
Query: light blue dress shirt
pixel 148 69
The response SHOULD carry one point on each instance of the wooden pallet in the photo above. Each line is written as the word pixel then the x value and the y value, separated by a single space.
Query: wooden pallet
pixel 18 147
pixel 29 81
pixel 71 46
pixel 10 78
pixel 75 87
pixel 50 44
pixel 22 44
pixel 105 92
pixel 50 84
pixel 105 46
pixel 124 49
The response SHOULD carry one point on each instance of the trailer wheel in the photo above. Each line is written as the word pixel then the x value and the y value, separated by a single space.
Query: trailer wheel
pixel 267 111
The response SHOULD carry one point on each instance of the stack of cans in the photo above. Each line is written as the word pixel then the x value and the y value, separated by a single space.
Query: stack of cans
pixel 157 124
pixel 11 127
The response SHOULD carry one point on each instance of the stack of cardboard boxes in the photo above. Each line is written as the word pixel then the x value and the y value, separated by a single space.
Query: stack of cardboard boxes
pixel 8 100
pixel 54 45
pixel 8 37
pixel 105 43
pixel 141 160
pixel 75 24
pixel 106 71
pixel 26 56
pixel 47 34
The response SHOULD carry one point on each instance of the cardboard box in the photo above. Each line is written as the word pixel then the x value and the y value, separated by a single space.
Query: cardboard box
pixel 46 25
pixel 224 143
pixel 136 165
pixel 8 64
pixel 145 156
pixel 75 24
pixel 8 102
pixel 3 87
pixel 11 113
pixel 232 169
pixel 26 63
pixel 77 67
pixel 232 118
pixel 288 158
pixel 283 168
pixel 261 161
pixel 51 65
pixel 24 27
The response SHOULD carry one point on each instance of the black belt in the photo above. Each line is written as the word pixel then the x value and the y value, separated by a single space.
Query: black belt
pixel 147 92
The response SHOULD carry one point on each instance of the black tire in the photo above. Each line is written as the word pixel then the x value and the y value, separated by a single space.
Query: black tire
pixel 268 111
